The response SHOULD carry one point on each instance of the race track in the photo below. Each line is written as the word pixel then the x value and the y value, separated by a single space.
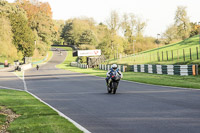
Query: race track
pixel 136 108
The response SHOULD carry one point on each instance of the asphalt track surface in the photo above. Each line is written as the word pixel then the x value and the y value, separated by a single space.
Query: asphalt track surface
pixel 10 80
pixel 136 108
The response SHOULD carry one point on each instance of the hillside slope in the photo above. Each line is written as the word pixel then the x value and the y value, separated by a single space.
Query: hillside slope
pixel 184 52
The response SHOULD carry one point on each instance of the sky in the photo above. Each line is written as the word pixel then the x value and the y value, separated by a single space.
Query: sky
pixel 158 14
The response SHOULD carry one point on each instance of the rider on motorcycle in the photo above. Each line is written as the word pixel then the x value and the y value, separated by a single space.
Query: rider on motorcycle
pixel 113 69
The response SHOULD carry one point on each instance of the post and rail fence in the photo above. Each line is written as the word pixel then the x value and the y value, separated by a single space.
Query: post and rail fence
pixel 178 56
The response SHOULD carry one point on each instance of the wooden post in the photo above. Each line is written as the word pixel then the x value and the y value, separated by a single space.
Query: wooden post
pixel 183 54
pixel 190 54
pixel 167 55
pixel 158 56
pixel 197 53
pixel 172 55
pixel 162 55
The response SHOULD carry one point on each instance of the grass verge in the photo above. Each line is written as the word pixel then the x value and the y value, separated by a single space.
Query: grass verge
pixel 166 80
pixel 36 117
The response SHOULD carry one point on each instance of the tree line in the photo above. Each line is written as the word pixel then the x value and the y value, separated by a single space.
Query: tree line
pixel 181 29
pixel 26 28
pixel 123 35
pixel 116 37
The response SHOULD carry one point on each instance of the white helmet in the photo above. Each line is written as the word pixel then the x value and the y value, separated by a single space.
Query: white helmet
pixel 114 66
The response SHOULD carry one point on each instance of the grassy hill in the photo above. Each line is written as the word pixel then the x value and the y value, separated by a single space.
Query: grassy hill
pixel 177 53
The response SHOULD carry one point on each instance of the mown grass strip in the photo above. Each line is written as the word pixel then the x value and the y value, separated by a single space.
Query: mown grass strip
pixel 166 80
pixel 36 117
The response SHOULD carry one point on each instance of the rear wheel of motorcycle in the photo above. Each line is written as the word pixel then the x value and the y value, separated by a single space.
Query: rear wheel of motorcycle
pixel 114 87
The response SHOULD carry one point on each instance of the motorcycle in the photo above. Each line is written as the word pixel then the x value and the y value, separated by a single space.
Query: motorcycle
pixel 113 82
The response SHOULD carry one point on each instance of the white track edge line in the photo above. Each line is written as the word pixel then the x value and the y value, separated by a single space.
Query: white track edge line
pixel 23 79
pixel 9 88
pixel 61 114
pixel 23 72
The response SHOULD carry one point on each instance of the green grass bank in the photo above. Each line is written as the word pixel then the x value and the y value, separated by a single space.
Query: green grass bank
pixel 177 53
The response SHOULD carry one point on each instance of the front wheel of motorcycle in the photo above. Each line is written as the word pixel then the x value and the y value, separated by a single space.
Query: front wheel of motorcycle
pixel 115 84
pixel 109 89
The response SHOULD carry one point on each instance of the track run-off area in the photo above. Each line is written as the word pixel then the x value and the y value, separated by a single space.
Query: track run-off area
pixel 135 108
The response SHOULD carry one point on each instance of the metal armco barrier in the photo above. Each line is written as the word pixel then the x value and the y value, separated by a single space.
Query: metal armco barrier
pixel 183 70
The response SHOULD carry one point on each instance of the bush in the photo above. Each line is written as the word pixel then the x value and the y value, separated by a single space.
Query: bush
pixel 87 47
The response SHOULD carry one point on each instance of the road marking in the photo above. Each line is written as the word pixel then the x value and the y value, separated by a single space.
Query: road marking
pixel 23 79
pixel 9 88
pixel 61 114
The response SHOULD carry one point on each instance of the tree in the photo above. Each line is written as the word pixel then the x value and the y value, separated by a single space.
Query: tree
pixel 182 22
pixel 170 34
pixel 79 31
pixel 23 37
pixel 133 28
pixel 6 47
pixel 126 26
pixel 140 25
pixel 58 26
pixel 106 46
pixel 87 37
pixel 67 33
pixel 40 20
pixel 194 29
pixel 113 22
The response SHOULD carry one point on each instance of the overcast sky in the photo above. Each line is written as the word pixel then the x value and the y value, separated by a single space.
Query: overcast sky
pixel 157 13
